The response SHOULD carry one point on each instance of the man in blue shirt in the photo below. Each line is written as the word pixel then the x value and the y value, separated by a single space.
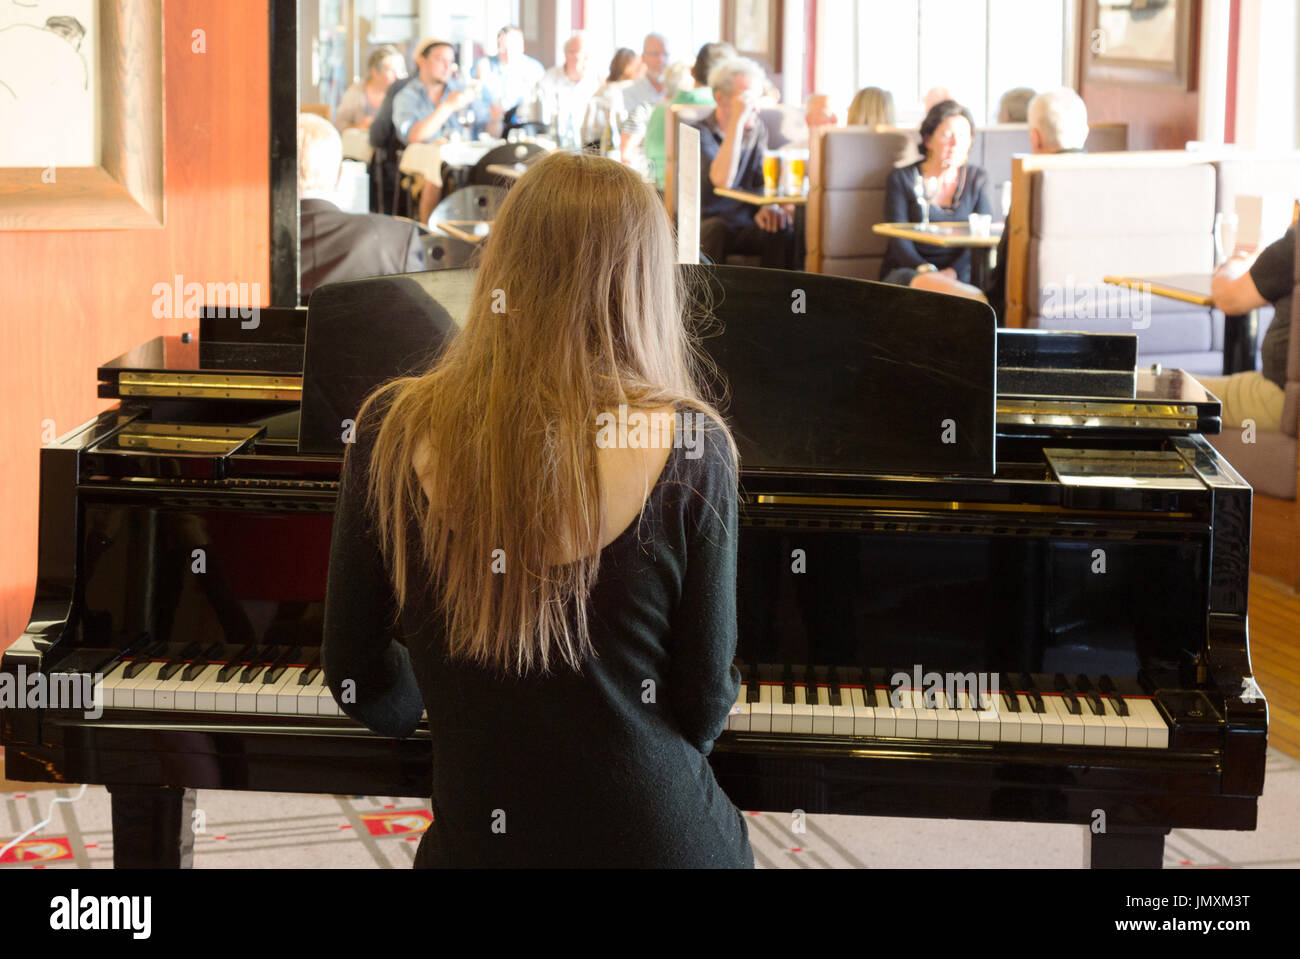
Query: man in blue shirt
pixel 426 109
pixel 509 80
pixel 732 144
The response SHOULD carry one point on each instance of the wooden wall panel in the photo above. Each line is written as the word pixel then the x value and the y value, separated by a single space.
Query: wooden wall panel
pixel 71 300
pixel 1157 119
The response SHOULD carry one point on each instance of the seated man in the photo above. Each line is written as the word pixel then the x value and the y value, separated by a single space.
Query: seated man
pixel 732 143
pixel 1058 123
pixel 1244 283
pixel 337 245
pixel 426 110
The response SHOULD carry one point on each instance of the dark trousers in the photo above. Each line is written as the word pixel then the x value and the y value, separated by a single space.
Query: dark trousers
pixel 721 236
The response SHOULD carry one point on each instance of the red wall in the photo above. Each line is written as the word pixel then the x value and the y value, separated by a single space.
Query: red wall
pixel 71 300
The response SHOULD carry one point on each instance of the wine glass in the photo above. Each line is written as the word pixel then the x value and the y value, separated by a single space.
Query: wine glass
pixel 926 190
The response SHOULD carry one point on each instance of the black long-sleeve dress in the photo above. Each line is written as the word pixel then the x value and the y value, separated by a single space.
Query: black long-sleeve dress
pixel 902 206
pixel 605 768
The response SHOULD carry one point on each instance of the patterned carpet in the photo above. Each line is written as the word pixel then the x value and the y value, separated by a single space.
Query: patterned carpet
pixel 285 830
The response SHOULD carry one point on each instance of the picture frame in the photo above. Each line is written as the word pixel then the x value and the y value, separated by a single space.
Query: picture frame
pixel 753 27
pixel 1140 43
pixel 125 191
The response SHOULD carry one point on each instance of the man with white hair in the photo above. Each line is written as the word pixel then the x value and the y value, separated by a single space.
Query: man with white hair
pixel 343 246
pixel 732 143
pixel 1058 123
pixel 644 94
pixel 566 89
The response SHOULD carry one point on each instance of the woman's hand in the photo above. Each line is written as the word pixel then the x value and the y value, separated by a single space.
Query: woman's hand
pixel 771 218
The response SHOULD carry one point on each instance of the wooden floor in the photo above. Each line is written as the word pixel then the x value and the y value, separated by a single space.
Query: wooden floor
pixel 1275 656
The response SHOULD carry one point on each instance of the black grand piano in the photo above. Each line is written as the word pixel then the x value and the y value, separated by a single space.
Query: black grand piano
pixel 1025 516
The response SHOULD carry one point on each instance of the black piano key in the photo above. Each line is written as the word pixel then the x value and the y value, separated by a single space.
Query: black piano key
pixel 201 662
pixel 787 686
pixel 282 663
pixel 1117 703
pixel 144 659
pixel 1035 701
pixel 1095 704
pixel 833 687
pixel 1012 702
pixel 233 667
pixel 186 654
pixel 868 688
pixel 753 691
pixel 310 668
pixel 263 659
pixel 1071 704
pixel 1083 684
pixel 1104 684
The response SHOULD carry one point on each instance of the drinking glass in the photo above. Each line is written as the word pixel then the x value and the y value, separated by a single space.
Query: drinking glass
pixel 1225 236
pixel 771 172
pixel 1006 199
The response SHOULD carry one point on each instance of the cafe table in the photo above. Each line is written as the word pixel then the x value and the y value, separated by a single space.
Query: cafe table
pixel 1240 332
pixel 955 234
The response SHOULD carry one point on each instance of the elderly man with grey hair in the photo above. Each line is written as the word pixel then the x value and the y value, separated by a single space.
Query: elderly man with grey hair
pixel 1058 123
pixel 732 143
pixel 344 246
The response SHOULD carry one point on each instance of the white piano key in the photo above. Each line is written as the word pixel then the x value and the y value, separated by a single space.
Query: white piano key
pixel 927 722
pixel 864 716
pixel 823 713
pixel 1116 734
pixel 760 713
pixel 108 686
pixel 801 713
pixel 739 718
pixel 287 690
pixel 968 720
pixel 843 713
pixel 205 694
pixel 1135 730
pixel 1009 720
pixel 782 712
pixel 186 692
pixel 949 727
pixel 904 715
pixel 309 695
pixel 1094 727
pixel 326 705
pixel 164 693
pixel 1153 719
pixel 124 692
pixel 883 716
pixel 1070 724
pixel 268 696
pixel 990 718
pixel 1031 723
pixel 149 684
pixel 246 693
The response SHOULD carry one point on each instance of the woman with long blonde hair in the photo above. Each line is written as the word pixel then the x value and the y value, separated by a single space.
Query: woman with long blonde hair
pixel 872 107
pixel 536 542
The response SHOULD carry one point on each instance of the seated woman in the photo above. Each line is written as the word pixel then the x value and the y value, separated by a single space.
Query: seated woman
pixel 557 591
pixel 955 189
pixel 872 107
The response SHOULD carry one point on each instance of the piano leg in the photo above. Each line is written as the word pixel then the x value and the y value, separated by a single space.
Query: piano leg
pixel 1126 849
pixel 152 827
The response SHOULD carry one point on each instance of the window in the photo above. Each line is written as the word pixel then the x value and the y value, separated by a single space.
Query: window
pixel 978 49
pixel 686 24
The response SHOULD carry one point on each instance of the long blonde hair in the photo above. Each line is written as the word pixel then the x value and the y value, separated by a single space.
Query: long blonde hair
pixel 872 107
pixel 577 308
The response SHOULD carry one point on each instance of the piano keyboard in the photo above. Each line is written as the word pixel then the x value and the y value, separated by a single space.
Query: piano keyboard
pixel 262 680
pixel 1066 717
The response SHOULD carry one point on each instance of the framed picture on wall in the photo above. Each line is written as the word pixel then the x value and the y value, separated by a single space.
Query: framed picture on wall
pixel 753 27
pixel 1148 43
pixel 81 106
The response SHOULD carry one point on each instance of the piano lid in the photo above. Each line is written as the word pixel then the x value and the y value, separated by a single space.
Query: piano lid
pixel 821 373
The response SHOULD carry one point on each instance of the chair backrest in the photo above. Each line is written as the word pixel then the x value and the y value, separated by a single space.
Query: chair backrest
pixel 319 109
pixel 356 145
pixel 850 167
pixel 785 125
pixel 677 113
pixel 994 146
pixel 505 155
pixel 1077 218
pixel 472 202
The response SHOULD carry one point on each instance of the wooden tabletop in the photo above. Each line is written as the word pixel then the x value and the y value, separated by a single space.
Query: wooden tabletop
pixel 759 199
pixel 511 171
pixel 953 234
pixel 456 228
pixel 1191 288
